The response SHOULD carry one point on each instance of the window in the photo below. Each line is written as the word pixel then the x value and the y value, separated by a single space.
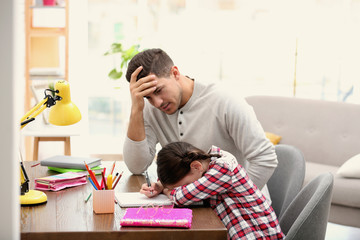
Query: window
pixel 250 46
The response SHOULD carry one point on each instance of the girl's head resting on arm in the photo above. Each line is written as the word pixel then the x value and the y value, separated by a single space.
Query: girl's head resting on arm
pixel 181 163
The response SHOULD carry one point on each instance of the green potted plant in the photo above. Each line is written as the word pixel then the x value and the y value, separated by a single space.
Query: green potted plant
pixel 125 54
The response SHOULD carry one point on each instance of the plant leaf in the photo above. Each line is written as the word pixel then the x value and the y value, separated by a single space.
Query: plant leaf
pixel 115 48
pixel 125 54
pixel 113 74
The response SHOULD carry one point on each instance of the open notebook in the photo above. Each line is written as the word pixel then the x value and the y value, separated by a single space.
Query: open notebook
pixel 136 199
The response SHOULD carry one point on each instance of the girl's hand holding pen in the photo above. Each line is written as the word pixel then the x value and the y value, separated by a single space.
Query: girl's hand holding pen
pixel 155 188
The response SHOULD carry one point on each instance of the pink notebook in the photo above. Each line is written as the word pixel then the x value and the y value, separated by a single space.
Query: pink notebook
pixel 177 217
pixel 60 181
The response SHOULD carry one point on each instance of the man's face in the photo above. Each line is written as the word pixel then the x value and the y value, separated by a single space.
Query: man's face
pixel 167 95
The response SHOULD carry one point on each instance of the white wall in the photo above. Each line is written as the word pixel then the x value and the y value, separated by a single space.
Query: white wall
pixel 78 71
pixel 9 177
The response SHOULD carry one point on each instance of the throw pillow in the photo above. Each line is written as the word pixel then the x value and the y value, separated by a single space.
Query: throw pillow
pixel 351 168
pixel 275 139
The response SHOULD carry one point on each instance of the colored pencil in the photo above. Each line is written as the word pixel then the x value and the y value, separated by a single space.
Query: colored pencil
pixel 87 199
pixel 92 176
pixel 113 167
pixel 117 180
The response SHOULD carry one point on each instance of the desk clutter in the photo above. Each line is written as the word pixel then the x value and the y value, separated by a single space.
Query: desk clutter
pixel 108 182
pixel 103 192
pixel 142 211
pixel 66 213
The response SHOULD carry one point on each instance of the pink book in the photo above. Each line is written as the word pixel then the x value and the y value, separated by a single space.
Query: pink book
pixel 60 181
pixel 176 217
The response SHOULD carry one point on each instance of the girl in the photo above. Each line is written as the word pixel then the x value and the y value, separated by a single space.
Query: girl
pixel 188 175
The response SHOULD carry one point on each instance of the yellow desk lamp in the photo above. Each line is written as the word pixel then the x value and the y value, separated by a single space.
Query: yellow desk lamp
pixel 63 112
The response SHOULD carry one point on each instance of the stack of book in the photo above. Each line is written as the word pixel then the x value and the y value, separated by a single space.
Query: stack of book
pixel 60 181
pixel 63 164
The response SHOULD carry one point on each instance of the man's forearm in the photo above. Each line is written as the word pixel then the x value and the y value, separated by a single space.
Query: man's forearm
pixel 136 151
pixel 136 155
pixel 136 129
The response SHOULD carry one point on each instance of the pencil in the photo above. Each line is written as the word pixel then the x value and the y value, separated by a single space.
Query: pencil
pixel 103 183
pixel 92 183
pixel 87 199
pixel 117 180
pixel 116 175
pixel 35 165
pixel 92 176
pixel 113 167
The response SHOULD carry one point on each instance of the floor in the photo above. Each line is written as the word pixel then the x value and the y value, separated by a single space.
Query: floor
pixel 341 232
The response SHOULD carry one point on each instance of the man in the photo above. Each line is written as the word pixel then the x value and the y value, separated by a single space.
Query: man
pixel 179 108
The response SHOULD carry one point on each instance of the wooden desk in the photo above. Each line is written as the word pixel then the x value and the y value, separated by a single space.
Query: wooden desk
pixel 67 216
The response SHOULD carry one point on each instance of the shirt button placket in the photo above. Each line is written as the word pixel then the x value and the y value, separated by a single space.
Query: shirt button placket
pixel 180 123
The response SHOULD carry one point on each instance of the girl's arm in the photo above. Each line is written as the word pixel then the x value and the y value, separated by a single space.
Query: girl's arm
pixel 217 179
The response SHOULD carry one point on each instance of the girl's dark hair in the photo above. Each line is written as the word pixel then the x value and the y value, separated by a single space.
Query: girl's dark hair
pixel 154 61
pixel 173 161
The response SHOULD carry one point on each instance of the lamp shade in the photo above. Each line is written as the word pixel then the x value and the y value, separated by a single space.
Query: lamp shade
pixel 64 112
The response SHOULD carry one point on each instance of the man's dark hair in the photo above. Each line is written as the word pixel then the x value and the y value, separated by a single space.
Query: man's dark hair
pixel 154 61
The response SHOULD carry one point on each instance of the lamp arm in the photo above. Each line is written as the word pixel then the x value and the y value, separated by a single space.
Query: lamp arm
pixel 48 101
pixel 32 113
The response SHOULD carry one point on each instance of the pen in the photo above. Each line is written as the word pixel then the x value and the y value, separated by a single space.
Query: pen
pixel 117 180
pixel 148 180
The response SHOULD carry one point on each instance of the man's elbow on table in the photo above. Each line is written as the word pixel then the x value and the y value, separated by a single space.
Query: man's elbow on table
pixel 135 167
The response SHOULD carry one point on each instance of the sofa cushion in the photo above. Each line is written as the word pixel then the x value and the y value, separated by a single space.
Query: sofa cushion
pixel 275 139
pixel 326 132
pixel 351 168
pixel 346 191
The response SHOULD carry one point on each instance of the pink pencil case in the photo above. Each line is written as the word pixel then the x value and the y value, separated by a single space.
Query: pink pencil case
pixel 60 181
pixel 177 217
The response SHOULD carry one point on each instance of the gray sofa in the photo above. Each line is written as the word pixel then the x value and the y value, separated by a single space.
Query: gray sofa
pixel 328 134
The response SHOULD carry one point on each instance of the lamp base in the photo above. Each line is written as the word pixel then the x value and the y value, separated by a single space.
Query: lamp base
pixel 33 197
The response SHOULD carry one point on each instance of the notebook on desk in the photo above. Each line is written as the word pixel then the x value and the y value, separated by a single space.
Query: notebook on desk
pixel 60 181
pixel 62 161
pixel 136 199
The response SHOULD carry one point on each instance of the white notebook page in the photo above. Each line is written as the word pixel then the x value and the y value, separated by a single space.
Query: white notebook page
pixel 136 199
